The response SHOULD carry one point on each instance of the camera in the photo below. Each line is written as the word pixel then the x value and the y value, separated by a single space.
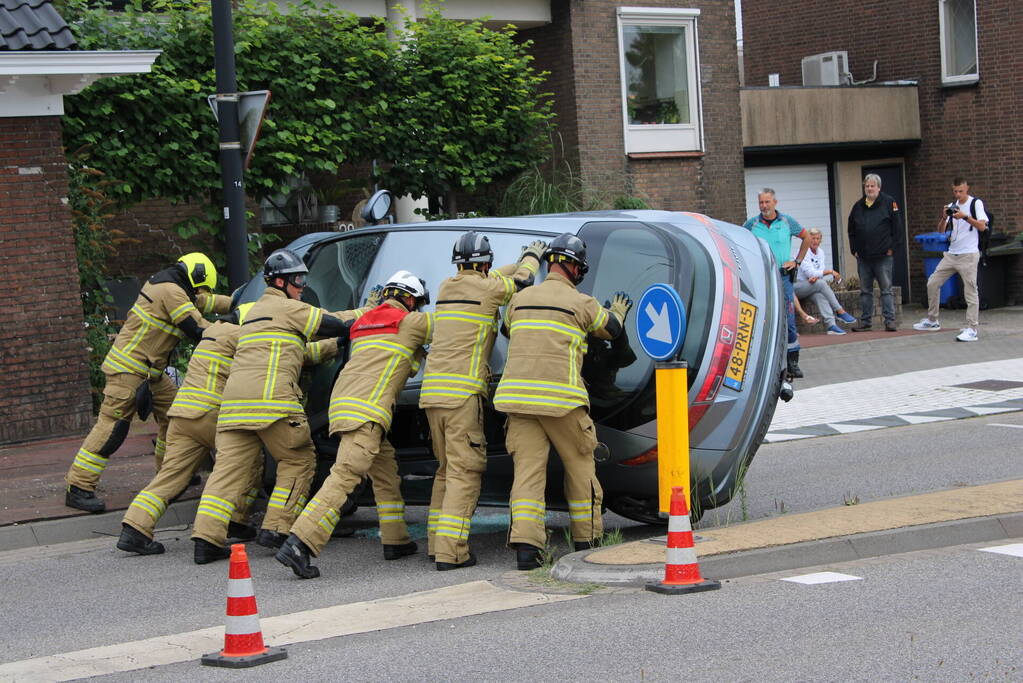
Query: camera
pixel 949 211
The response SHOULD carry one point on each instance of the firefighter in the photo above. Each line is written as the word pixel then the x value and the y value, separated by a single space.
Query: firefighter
pixel 543 394
pixel 387 348
pixel 169 307
pixel 261 406
pixel 456 381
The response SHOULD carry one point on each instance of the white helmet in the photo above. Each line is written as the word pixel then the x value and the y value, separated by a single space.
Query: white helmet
pixel 405 283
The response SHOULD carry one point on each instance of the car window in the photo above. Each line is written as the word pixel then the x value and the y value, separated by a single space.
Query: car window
pixel 427 253
pixel 337 272
pixel 625 257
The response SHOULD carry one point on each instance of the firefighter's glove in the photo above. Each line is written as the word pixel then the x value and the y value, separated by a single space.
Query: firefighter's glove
pixel 376 296
pixel 534 249
pixel 620 305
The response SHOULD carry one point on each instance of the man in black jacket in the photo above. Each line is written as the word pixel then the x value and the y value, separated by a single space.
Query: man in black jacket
pixel 875 228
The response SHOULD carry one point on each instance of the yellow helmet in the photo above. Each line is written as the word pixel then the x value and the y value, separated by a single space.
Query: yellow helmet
pixel 200 269
pixel 242 311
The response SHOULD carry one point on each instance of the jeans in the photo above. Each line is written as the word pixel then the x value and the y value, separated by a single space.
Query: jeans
pixel 880 269
pixel 790 309
pixel 822 295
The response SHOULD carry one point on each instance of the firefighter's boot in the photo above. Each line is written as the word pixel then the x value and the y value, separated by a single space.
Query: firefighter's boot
pixel 81 499
pixel 271 539
pixel 394 552
pixel 206 552
pixel 527 556
pixel 295 554
pixel 240 532
pixel 134 541
pixel 447 566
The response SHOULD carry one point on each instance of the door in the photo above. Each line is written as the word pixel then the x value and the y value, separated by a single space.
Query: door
pixel 891 184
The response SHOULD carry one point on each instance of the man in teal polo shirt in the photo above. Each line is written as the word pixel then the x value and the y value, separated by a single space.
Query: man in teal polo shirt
pixel 778 229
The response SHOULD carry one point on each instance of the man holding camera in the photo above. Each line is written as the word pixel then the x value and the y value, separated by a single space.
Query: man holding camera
pixel 875 227
pixel 963 220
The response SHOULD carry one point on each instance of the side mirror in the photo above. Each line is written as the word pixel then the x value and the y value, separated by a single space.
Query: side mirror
pixel 377 207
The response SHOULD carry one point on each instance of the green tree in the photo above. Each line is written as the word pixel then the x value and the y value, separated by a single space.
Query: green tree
pixel 468 109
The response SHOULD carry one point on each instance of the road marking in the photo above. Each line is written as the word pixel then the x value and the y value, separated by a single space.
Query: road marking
pixel 921 419
pixel 452 602
pixel 1014 549
pixel 984 410
pixel 822 577
pixel 850 428
pixel 999 424
pixel 773 437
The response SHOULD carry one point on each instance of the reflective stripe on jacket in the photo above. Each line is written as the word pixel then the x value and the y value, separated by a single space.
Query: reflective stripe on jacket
pixel 377 370
pixel 466 326
pixel 548 325
pixel 272 346
pixel 151 331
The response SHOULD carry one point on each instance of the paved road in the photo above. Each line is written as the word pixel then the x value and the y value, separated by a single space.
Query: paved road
pixel 952 614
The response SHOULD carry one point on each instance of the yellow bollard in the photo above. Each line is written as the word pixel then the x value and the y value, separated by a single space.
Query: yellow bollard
pixel 672 431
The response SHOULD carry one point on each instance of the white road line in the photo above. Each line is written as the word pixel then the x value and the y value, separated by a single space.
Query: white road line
pixel 452 602
pixel 772 437
pixel 984 410
pixel 999 424
pixel 822 577
pixel 849 429
pixel 922 419
pixel 1014 549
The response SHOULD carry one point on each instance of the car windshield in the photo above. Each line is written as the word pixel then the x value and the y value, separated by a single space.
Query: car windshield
pixel 337 273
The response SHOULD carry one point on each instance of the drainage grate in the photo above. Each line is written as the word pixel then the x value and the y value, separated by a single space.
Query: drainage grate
pixel 991 385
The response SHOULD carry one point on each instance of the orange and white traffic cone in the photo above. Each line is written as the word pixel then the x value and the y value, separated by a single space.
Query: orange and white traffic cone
pixel 243 637
pixel 681 570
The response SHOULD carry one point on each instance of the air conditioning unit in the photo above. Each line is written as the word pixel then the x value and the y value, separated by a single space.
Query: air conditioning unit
pixel 827 68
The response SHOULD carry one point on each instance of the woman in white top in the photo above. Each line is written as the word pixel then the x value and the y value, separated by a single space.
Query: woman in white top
pixel 810 282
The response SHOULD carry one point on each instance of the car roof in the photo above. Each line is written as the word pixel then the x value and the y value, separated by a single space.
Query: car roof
pixel 556 223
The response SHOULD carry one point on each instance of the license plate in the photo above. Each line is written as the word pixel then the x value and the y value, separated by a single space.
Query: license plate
pixel 736 372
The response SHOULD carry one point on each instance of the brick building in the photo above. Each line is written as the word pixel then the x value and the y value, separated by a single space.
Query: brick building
pixel 43 359
pixel 948 64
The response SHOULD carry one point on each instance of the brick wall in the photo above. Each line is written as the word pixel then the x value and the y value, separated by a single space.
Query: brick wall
pixel 43 359
pixel 971 131
pixel 580 48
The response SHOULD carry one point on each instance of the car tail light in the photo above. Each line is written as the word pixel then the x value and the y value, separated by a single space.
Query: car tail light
pixel 642 459
pixel 728 323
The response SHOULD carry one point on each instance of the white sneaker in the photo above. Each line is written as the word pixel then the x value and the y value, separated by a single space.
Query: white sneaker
pixel 967 335
pixel 928 325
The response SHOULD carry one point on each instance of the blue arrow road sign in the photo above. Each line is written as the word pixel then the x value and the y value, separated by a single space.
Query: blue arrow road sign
pixel 660 321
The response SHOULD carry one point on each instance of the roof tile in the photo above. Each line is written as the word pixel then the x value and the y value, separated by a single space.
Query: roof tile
pixel 33 25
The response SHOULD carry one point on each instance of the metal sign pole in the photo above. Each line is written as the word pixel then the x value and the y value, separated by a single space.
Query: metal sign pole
pixel 235 236
pixel 672 431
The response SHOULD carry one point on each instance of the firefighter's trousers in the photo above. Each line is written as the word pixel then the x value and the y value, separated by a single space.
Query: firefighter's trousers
pixel 189 441
pixel 363 451
pixel 461 449
pixel 239 454
pixel 529 438
pixel 115 415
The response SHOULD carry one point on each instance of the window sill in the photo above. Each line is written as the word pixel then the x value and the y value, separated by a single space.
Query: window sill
pixel 951 85
pixel 665 155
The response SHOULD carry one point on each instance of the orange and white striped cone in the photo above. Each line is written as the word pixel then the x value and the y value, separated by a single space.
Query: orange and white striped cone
pixel 681 570
pixel 243 637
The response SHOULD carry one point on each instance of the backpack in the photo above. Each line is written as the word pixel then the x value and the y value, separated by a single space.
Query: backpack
pixel 984 237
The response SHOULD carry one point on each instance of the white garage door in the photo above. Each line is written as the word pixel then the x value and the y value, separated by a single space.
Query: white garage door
pixel 802 192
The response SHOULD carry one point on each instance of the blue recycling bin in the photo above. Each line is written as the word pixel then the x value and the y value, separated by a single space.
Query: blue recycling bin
pixel 938 242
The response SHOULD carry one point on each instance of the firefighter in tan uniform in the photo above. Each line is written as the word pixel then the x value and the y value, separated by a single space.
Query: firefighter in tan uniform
pixel 456 381
pixel 261 406
pixel 543 394
pixel 387 348
pixel 169 307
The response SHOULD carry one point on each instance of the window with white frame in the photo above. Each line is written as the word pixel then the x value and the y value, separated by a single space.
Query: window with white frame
pixel 957 21
pixel 660 79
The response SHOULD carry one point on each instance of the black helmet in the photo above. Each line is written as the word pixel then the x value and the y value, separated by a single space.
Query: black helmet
pixel 472 247
pixel 567 246
pixel 286 264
